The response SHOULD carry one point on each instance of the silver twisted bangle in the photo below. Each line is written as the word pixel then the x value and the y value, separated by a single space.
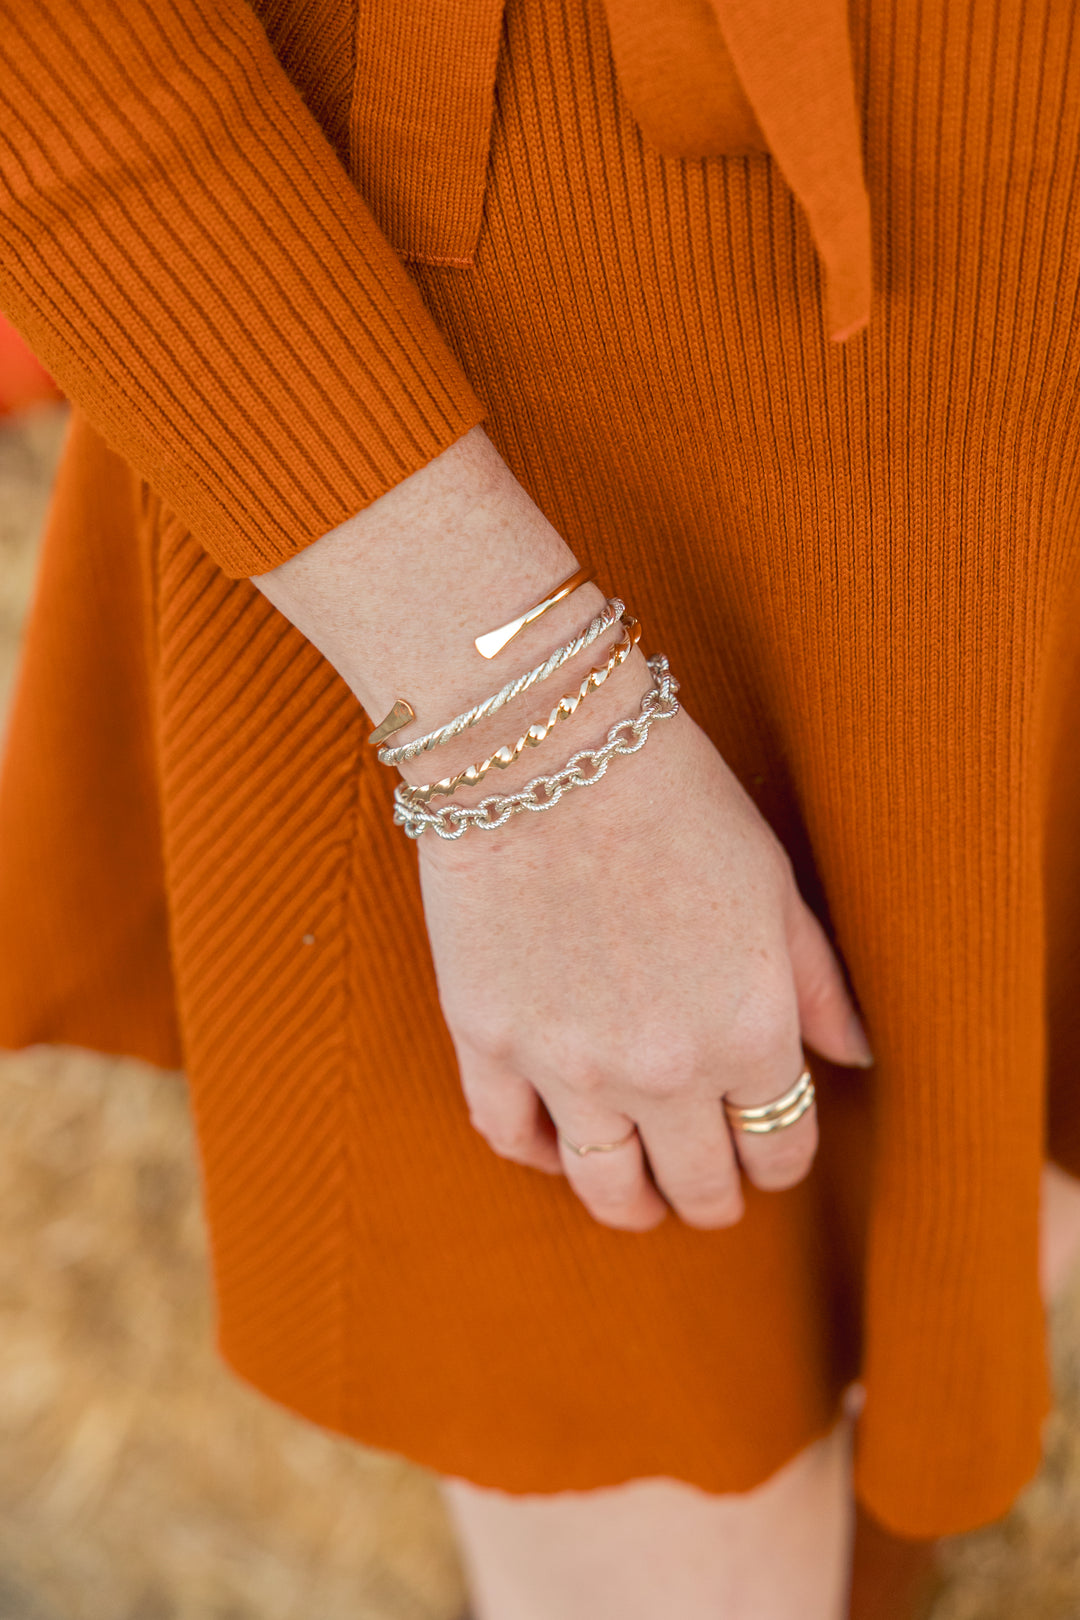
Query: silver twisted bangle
pixel 607 616
pixel 569 703
pixel 583 770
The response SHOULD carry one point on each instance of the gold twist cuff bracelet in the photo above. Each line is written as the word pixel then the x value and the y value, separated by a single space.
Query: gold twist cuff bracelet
pixel 585 769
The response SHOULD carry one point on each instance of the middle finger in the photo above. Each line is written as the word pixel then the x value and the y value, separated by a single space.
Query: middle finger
pixel 693 1161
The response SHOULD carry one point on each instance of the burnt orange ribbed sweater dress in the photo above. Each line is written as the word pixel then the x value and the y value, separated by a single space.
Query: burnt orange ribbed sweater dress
pixel 861 558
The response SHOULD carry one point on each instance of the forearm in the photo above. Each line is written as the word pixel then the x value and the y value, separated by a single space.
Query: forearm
pixel 395 597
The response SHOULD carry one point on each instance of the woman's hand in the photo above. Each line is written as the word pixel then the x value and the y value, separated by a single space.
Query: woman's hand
pixel 629 959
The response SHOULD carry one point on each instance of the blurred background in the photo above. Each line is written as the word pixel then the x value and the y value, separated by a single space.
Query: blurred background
pixel 141 1481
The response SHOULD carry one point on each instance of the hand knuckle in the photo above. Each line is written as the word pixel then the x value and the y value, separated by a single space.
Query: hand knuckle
pixel 660 1085
pixel 665 1068
pixel 583 1078
pixel 489 1039
pixel 761 1030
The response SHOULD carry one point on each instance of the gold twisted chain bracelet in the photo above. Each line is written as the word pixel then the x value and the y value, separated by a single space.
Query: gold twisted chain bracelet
pixel 502 757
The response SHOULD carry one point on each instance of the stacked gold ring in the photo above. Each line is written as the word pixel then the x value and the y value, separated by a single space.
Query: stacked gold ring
pixel 776 1115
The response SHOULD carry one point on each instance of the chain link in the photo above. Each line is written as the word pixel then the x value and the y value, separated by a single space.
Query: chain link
pixel 585 769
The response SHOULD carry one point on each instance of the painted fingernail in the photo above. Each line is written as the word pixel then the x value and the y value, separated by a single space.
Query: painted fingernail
pixel 860 1045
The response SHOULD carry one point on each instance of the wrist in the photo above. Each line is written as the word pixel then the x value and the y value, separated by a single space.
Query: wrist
pixel 465 679
pixel 604 807
pixel 501 745
pixel 395 596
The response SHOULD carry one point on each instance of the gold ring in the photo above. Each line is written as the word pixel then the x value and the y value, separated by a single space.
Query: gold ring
pixel 777 1115
pixel 597 1147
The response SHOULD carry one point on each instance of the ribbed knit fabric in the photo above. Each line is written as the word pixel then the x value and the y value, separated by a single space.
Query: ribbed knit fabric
pixel 862 561
pixel 716 77
pixel 186 252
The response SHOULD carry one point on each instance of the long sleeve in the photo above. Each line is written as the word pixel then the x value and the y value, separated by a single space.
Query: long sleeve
pixel 182 246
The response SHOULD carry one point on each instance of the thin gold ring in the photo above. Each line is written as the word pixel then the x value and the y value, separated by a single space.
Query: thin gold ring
pixel 597 1147
pixel 776 1115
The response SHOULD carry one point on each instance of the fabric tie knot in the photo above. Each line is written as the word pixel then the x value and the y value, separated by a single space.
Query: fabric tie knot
pixel 706 78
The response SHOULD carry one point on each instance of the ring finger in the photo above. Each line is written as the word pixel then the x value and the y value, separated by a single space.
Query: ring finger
pixel 775 1131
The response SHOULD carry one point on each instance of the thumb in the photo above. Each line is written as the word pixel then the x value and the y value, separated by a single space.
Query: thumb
pixel 827 1015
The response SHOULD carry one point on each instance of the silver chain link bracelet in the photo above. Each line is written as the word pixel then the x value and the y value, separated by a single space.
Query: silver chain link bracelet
pixel 543 792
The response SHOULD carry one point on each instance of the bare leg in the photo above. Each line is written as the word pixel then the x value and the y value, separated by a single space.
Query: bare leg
pixel 655 1547
pixel 1060 1230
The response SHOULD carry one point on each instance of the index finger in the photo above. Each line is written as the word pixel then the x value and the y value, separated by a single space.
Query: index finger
pixel 604 1163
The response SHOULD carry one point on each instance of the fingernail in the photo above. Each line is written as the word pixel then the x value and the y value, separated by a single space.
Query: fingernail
pixel 863 1058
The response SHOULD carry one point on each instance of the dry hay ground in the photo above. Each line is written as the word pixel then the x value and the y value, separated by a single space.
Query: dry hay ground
pixel 141 1481
pixel 138 1479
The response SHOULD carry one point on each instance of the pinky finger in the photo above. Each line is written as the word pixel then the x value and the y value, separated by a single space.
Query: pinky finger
pixel 508 1113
